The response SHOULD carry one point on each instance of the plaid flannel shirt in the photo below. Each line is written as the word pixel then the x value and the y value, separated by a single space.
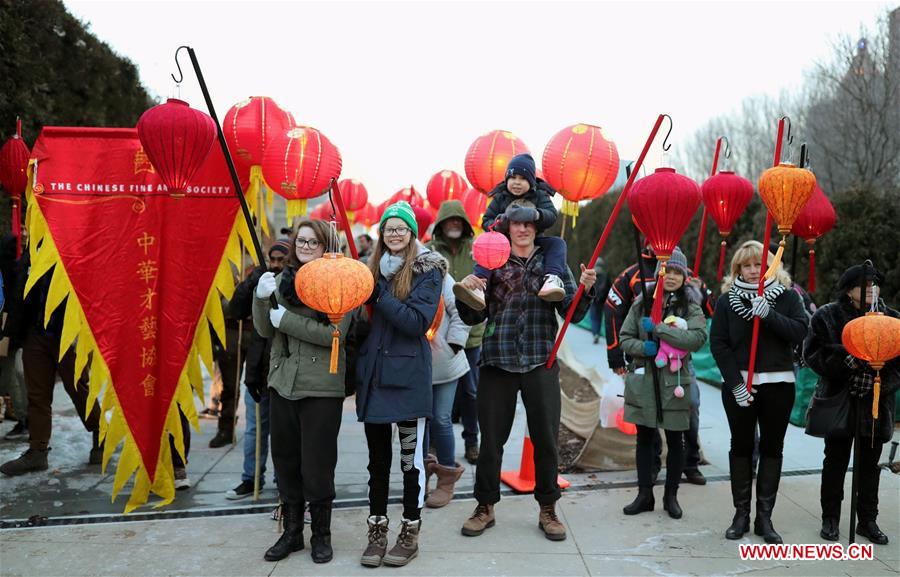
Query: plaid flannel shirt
pixel 521 327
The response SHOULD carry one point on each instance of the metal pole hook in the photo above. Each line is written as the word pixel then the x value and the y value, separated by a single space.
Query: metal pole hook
pixel 666 145
pixel 180 78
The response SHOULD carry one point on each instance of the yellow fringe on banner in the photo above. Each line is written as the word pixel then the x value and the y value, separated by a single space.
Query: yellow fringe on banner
pixel 295 208
pixel 776 262
pixel 571 209
pixel 76 329
pixel 255 200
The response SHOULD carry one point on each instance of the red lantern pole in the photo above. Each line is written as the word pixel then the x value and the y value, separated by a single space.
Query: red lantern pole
pixel 767 236
pixel 702 237
pixel 604 236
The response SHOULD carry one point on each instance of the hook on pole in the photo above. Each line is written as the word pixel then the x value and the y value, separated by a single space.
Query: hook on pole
pixel 180 78
pixel 666 144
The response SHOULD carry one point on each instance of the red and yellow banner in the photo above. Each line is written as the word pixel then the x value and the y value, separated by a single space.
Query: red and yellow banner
pixel 142 273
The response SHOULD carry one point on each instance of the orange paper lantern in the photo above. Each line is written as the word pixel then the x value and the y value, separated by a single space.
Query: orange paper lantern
pixel 334 285
pixel 785 189
pixel 874 338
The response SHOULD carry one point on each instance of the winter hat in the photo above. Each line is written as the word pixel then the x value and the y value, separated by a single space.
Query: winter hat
pixel 677 261
pixel 852 277
pixel 281 245
pixel 523 165
pixel 402 210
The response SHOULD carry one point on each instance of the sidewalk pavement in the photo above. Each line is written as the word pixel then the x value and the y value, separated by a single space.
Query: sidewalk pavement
pixel 602 541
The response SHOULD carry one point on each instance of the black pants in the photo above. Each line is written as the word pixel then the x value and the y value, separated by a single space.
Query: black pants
pixel 771 410
pixel 227 359
pixel 378 437
pixel 177 461
pixel 304 446
pixel 834 468
pixel 644 454
pixel 497 394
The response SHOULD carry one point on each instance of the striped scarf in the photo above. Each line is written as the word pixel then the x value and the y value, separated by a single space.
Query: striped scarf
pixel 742 292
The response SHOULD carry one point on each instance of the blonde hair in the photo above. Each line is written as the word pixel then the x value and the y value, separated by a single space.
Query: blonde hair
pixel 749 252
pixel 401 283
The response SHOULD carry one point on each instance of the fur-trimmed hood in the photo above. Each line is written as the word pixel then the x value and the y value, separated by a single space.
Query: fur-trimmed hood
pixel 428 260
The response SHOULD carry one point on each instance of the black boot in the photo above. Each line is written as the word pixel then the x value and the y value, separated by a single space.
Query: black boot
pixel 870 530
pixel 643 502
pixel 670 503
pixel 829 530
pixel 767 479
pixel 292 538
pixel 321 533
pixel 741 489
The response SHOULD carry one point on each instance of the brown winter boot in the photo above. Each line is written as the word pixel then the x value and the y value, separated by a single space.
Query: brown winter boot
pixel 377 547
pixel 446 480
pixel 29 461
pixel 407 546
pixel 482 518
pixel 550 524
pixel 430 462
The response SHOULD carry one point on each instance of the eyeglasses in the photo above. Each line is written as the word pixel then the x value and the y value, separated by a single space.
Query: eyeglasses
pixel 399 231
pixel 310 243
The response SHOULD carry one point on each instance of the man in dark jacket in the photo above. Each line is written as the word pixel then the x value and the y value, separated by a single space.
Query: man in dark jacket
pixel 521 329
pixel 838 370
pixel 256 373
pixel 453 238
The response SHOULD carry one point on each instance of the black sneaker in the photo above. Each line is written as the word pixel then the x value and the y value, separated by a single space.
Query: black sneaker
pixel 221 439
pixel 18 433
pixel 245 489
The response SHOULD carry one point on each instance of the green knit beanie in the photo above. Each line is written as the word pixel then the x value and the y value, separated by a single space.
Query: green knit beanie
pixel 402 210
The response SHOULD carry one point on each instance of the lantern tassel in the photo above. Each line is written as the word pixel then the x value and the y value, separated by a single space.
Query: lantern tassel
pixel 811 285
pixel 776 262
pixel 722 248
pixel 295 208
pixel 656 311
pixel 335 351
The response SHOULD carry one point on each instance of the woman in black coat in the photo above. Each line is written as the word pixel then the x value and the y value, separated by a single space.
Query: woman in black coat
pixel 824 352
pixel 768 404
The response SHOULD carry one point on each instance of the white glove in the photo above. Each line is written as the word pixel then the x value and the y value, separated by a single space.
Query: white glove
pixel 266 285
pixel 759 306
pixel 276 314
pixel 742 395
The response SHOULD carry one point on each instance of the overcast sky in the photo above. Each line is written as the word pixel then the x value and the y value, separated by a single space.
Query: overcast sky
pixel 403 88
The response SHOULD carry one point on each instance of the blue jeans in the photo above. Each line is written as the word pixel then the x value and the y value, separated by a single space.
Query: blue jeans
pixel 440 429
pixel 250 438
pixel 596 313
pixel 468 398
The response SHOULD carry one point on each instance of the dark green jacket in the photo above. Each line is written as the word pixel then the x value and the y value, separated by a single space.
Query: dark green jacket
pixel 458 254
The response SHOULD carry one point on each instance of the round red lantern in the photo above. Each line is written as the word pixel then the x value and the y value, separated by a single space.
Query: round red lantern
pixel 445 185
pixel 321 212
pixel 299 165
pixel 366 215
pixel 816 218
pixel 14 177
pixel 726 196
pixel 177 140
pixel 581 164
pixel 663 204
pixel 409 194
pixel 491 249
pixel 354 194
pixel 488 156
pixel 475 204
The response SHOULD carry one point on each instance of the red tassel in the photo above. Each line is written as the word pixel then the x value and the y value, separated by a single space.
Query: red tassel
pixel 721 260
pixel 812 271
pixel 656 311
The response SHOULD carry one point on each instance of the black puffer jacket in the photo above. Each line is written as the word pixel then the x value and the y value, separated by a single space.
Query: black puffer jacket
pixel 241 307
pixel 825 354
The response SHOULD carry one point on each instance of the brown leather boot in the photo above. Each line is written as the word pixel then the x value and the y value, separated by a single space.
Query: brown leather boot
pixel 550 524
pixel 377 547
pixel 407 546
pixel 446 481
pixel 482 518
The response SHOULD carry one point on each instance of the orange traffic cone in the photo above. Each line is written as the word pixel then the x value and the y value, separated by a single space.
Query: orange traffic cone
pixel 522 481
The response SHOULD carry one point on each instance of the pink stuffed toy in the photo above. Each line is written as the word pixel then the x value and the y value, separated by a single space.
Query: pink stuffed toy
pixel 667 353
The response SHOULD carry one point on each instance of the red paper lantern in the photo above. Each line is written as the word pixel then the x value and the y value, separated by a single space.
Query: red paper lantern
pixel 250 124
pixel 816 218
pixel 299 165
pixel 409 194
pixel 726 196
pixel 445 185
pixel 663 205
pixel 488 156
pixel 491 249
pixel 581 164
pixel 475 204
pixel 423 220
pixel 14 177
pixel 366 216
pixel 354 194
pixel 321 212
pixel 177 140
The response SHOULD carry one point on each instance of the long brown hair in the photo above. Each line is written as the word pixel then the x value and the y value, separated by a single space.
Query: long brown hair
pixel 324 234
pixel 401 284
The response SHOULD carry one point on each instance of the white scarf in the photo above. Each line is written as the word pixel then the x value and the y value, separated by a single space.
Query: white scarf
pixel 742 292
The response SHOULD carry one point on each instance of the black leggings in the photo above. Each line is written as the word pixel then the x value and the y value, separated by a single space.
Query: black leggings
pixel 644 456
pixel 771 409
pixel 378 437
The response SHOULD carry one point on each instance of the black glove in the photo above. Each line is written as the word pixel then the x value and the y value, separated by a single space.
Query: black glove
pixel 455 348
pixel 255 390
pixel 521 213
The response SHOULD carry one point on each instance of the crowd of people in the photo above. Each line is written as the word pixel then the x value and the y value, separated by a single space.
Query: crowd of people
pixel 441 335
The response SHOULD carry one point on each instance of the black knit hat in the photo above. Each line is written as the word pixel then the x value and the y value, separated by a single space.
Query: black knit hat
pixel 522 165
pixel 852 277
